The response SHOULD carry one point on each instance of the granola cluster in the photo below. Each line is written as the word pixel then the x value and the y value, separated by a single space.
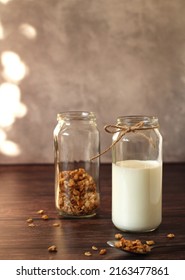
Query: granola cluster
pixel 78 194
pixel 135 246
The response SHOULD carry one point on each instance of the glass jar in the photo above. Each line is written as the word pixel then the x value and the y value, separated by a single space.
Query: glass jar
pixel 137 174
pixel 76 139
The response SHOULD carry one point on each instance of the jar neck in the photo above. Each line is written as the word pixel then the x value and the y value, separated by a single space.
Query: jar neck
pixel 148 121
pixel 76 116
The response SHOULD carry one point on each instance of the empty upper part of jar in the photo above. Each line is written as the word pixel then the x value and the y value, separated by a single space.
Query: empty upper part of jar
pixel 137 138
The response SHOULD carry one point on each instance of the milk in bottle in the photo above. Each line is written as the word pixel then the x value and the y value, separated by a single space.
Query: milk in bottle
pixel 136 195
pixel 137 174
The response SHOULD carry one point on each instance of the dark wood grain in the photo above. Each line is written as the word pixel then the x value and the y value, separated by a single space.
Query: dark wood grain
pixel 25 189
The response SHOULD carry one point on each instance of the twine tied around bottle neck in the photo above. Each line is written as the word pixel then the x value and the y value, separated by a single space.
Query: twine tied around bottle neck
pixel 123 129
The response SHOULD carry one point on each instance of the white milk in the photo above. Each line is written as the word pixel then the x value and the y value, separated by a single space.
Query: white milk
pixel 137 195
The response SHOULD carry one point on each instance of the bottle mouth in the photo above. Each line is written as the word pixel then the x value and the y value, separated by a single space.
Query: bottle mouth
pixel 132 120
pixel 76 115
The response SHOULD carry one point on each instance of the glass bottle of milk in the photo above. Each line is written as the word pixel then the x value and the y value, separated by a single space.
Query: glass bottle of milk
pixel 137 174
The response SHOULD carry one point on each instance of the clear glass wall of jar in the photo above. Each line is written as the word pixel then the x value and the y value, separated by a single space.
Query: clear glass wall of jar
pixel 137 174
pixel 76 139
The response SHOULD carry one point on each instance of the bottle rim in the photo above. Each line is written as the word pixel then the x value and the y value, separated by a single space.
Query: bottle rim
pixel 134 119
pixel 76 115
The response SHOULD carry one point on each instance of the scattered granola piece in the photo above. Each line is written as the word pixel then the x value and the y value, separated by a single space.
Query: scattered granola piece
pixel 31 225
pixel 56 225
pixel 103 252
pixel 52 248
pixel 118 235
pixel 40 212
pixel 29 220
pixel 118 244
pixel 88 254
pixel 45 217
pixel 94 248
pixel 171 235
pixel 150 242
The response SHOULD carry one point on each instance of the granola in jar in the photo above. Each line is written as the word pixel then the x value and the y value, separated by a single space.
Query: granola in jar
pixel 77 193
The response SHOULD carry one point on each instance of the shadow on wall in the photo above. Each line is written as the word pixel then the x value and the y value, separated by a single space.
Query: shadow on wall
pixel 14 70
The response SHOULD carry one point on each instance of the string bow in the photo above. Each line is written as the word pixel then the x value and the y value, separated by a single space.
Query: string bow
pixel 123 129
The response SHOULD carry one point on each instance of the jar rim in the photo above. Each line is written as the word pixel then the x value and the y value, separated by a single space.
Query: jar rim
pixel 76 115
pixel 134 119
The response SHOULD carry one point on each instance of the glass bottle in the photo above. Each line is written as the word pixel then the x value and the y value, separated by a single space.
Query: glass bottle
pixel 76 139
pixel 137 174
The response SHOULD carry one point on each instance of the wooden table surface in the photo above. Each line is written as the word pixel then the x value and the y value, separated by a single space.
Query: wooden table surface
pixel 25 189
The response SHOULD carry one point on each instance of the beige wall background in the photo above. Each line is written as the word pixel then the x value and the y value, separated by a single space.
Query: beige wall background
pixel 113 57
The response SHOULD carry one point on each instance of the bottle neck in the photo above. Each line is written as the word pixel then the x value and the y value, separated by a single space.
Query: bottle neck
pixel 148 121
pixel 76 116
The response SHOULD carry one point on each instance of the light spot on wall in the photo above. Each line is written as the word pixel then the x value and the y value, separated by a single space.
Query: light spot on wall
pixel 5 1
pixel 9 148
pixel 10 104
pixel 28 31
pixel 14 68
pixel 11 107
